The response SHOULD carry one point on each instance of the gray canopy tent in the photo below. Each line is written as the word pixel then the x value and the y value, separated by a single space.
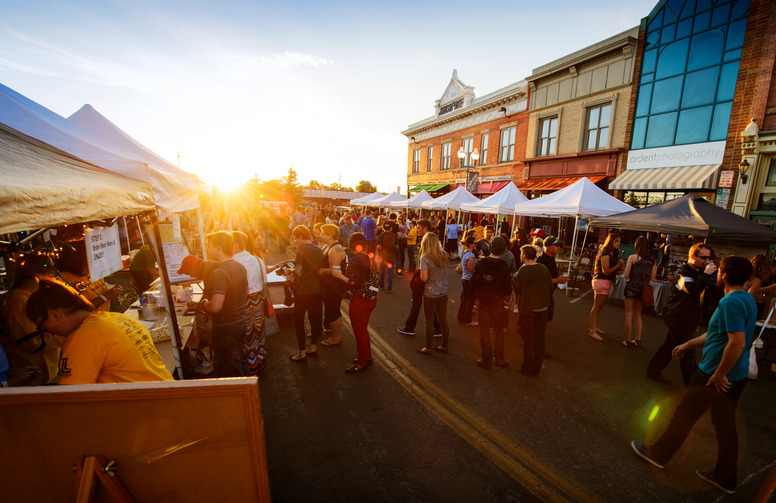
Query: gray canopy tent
pixel 688 215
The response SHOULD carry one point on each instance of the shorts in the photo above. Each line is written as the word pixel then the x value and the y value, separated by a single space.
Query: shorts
pixel 331 306
pixel 602 286
pixel 451 246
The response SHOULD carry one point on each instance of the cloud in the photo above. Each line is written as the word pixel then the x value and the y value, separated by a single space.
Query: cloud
pixel 244 68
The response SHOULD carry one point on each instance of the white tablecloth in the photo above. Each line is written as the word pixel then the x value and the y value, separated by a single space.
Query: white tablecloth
pixel 661 292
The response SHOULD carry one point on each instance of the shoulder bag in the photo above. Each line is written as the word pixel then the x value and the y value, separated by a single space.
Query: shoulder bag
pixel 647 293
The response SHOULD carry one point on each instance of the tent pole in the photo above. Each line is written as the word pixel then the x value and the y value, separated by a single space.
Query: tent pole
pixel 140 228
pixel 202 233
pixel 126 231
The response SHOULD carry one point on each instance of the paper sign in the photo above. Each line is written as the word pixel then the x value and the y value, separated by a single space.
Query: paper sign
pixel 173 256
pixel 726 178
pixel 723 196
pixel 103 251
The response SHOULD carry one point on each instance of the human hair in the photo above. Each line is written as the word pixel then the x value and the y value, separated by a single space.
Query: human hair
pixel 697 247
pixel 737 269
pixel 53 294
pixel 301 232
pixel 469 240
pixel 222 240
pixel 483 222
pixel 761 267
pixel 357 242
pixel 425 222
pixel 537 241
pixel 490 228
pixel 317 226
pixel 642 248
pixel 240 239
pixel 330 230
pixel 471 233
pixel 609 242
pixel 529 252
pixel 430 246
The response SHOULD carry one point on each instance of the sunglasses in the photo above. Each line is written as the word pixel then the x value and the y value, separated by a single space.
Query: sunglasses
pixel 704 257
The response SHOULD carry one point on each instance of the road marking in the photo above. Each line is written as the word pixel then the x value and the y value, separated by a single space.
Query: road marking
pixel 519 464
pixel 580 297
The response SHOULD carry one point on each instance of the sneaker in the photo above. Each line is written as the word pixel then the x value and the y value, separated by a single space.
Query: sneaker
pixel 641 450
pixel 708 476
pixel 515 310
pixel 405 331
pixel 481 364
pixel 472 324
pixel 437 335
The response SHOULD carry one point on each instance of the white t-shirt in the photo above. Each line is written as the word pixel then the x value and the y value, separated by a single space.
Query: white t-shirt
pixel 254 267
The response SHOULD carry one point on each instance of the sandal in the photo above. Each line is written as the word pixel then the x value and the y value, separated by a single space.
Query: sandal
pixel 599 330
pixel 298 358
pixel 595 336
pixel 628 344
pixel 329 342
pixel 355 368
pixel 424 351
pixel 441 349
pixel 636 343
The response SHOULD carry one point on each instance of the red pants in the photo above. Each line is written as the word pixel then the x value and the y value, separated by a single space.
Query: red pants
pixel 360 311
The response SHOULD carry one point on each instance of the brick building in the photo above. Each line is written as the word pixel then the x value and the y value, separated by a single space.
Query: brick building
pixel 494 126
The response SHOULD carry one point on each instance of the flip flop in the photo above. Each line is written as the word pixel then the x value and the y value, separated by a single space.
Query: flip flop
pixel 424 351
pixel 595 336
pixel 297 358
pixel 636 343
pixel 627 344
pixel 327 342
pixel 441 349
pixel 599 330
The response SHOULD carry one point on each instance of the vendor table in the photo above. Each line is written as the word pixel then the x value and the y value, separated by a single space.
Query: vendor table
pixel 155 317
pixel 661 292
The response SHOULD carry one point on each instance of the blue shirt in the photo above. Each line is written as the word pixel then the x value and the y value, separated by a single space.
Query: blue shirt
pixel 736 312
pixel 369 226
pixel 466 274
pixel 452 231
pixel 3 365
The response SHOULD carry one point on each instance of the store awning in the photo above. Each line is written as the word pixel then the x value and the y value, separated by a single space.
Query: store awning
pixel 429 187
pixel 692 177
pixel 554 183
pixel 491 187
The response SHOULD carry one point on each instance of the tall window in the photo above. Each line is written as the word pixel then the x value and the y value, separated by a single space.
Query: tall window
pixel 597 127
pixel 548 136
pixel 468 145
pixel 484 149
pixel 507 145
pixel 446 155
pixel 430 158
pixel 416 160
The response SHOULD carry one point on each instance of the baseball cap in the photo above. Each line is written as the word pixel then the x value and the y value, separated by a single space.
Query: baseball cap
pixel 188 264
pixel 537 232
pixel 553 240
pixel 498 246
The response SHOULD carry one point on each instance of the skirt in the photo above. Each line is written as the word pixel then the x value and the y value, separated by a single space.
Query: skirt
pixel 254 341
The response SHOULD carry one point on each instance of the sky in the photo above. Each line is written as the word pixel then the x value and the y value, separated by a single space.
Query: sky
pixel 244 87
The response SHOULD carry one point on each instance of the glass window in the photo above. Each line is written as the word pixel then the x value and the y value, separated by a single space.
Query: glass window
pixel 639 131
pixel 688 10
pixel 727 82
pixel 507 145
pixel 735 35
pixel 733 55
pixel 597 127
pixel 700 87
pixel 657 21
pixel 648 65
pixel 644 99
pixel 667 34
pixel 721 15
pixel 646 78
pixel 693 126
pixel 771 180
pixel 666 95
pixel 719 125
pixel 706 49
pixel 446 147
pixel 684 28
pixel 548 132
pixel 468 145
pixel 740 8
pixel 653 39
pixel 701 22
pixel 672 59
pixel 660 131
pixel 484 149
pixel 416 161
pixel 430 158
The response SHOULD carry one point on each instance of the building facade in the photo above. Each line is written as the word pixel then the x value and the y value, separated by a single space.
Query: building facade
pixel 492 127
pixel 578 115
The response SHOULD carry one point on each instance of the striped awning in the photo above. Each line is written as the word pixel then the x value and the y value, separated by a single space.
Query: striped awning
pixel 429 187
pixel 691 177
pixel 556 183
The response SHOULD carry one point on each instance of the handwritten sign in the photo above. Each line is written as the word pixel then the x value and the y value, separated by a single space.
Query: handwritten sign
pixel 103 251
pixel 173 256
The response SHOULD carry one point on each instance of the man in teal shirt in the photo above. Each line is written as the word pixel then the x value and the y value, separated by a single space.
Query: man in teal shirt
pixel 719 380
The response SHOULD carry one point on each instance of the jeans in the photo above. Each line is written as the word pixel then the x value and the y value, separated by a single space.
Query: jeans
pixel 663 356
pixel 388 266
pixel 411 256
pixel 467 301
pixel 312 305
pixel 229 350
pixel 360 310
pixel 412 320
pixel 402 247
pixel 532 326
pixel 497 316
pixel 433 309
pixel 697 400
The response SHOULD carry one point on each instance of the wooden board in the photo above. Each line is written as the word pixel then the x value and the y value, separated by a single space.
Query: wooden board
pixel 182 441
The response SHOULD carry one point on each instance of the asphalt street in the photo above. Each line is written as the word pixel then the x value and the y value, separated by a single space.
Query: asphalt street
pixel 439 428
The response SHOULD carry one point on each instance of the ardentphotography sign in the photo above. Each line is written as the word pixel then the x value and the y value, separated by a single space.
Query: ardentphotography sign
pixel 678 156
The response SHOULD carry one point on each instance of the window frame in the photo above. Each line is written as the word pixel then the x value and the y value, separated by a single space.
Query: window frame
pixel 445 159
pixel 416 160
pixel 484 149
pixel 587 129
pixel 430 159
pixel 540 139
pixel 468 146
pixel 506 152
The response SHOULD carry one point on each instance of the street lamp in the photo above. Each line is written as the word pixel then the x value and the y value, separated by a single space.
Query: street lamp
pixel 475 156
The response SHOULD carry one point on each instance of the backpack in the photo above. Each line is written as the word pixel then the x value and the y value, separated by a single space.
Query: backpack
pixel 492 279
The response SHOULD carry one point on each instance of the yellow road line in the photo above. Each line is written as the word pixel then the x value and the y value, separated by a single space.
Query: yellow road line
pixel 519 464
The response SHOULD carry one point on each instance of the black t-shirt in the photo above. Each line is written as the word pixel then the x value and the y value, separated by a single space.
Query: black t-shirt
pixel 310 257
pixel 231 280
pixel 388 242
pixel 549 263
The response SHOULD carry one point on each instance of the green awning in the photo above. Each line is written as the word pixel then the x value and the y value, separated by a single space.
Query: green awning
pixel 429 187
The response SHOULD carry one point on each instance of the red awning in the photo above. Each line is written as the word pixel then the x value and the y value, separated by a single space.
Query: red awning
pixel 554 183
pixel 491 187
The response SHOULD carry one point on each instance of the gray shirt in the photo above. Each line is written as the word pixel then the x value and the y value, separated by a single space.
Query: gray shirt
pixel 436 285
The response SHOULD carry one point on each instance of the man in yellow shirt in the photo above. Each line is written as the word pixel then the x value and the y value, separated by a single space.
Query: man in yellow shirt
pixel 99 347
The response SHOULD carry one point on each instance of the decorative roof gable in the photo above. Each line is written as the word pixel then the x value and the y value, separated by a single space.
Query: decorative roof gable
pixel 457 95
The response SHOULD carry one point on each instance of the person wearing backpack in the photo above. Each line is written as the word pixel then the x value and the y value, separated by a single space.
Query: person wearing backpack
pixel 387 252
pixel 492 281
pixel 533 287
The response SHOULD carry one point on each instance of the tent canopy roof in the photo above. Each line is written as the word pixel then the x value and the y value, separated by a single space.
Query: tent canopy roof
pixel 363 200
pixel 414 202
pixel 43 187
pixel 689 215
pixel 451 201
pixel 387 200
pixel 582 198
pixel 502 202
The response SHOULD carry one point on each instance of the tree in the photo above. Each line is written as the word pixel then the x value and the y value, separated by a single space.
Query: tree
pixel 365 186
pixel 292 187
pixel 315 185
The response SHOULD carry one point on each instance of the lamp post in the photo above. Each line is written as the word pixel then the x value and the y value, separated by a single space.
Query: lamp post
pixel 475 156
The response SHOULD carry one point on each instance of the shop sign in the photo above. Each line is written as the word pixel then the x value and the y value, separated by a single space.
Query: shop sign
pixel 678 156
pixel 726 178
pixel 723 196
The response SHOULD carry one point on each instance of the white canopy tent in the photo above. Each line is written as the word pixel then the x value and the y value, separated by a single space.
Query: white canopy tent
pixel 581 199
pixel 414 202
pixel 33 119
pixel 386 201
pixel 361 201
pixel 451 201
pixel 502 202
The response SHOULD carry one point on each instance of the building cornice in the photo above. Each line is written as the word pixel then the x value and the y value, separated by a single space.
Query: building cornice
pixel 590 153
